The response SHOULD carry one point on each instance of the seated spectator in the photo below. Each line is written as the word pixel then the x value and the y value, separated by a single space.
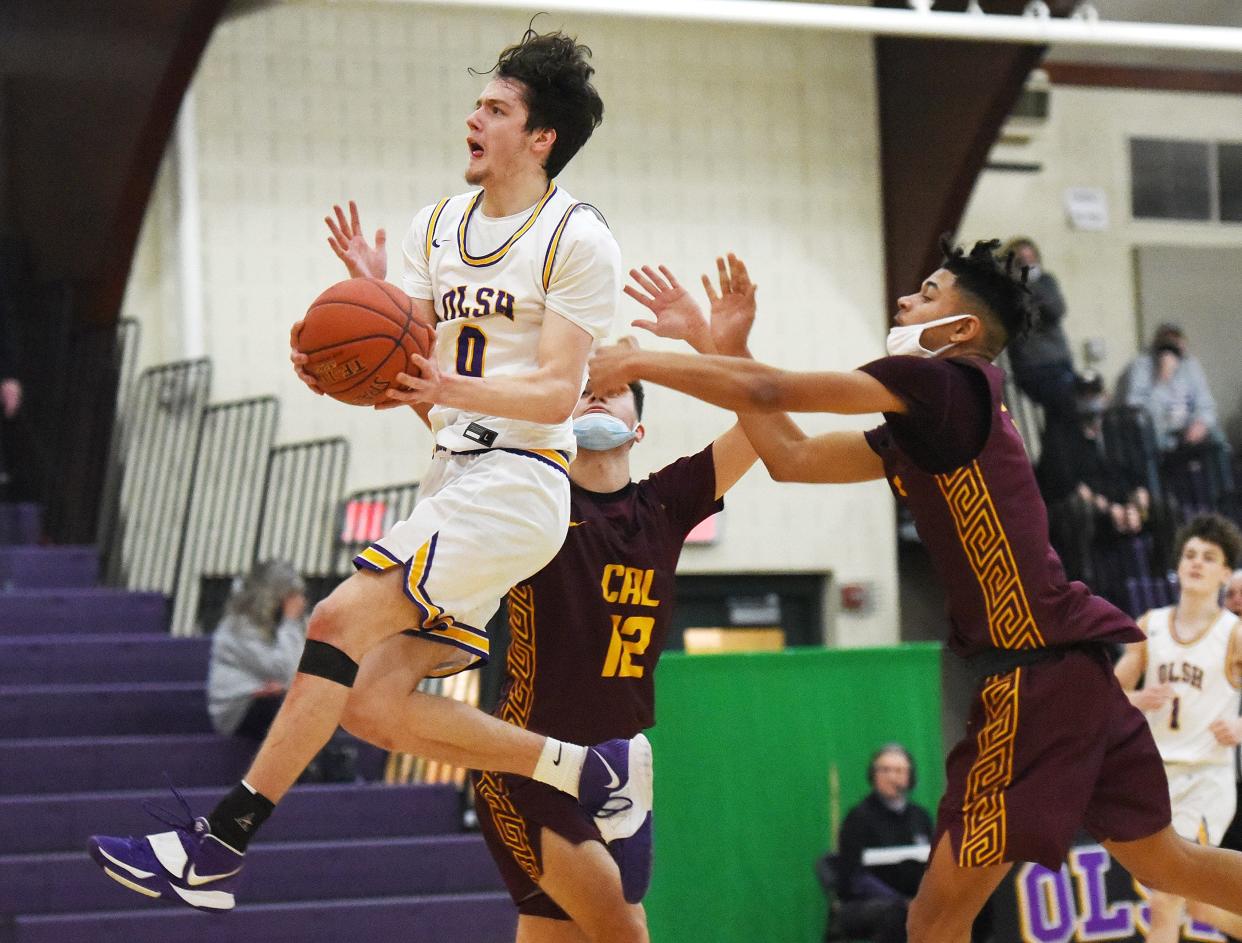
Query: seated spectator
pixel 882 851
pixel 1091 500
pixel 1042 364
pixel 255 650
pixel 1233 593
pixel 1170 385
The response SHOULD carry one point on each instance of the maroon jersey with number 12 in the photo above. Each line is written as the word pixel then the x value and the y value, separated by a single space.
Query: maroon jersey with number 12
pixel 587 630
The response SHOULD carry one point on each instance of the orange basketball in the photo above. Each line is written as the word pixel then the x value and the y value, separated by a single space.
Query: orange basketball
pixel 359 335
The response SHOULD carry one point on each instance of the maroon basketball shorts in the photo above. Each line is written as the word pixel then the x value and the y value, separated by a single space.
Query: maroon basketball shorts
pixel 1050 748
pixel 512 812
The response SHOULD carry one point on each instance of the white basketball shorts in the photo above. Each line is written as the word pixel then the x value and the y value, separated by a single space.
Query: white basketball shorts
pixel 483 522
pixel 1204 798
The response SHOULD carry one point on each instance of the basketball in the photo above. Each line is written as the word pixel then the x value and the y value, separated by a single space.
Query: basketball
pixel 359 335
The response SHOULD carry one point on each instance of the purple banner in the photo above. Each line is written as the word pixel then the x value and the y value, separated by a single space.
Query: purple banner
pixel 1090 898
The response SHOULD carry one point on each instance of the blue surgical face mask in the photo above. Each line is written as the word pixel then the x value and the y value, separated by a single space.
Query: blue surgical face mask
pixel 599 432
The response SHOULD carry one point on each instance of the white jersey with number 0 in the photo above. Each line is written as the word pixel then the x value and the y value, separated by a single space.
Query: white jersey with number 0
pixel 1203 693
pixel 492 280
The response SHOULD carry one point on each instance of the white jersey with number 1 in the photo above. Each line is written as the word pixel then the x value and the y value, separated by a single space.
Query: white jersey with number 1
pixel 492 280
pixel 1203 692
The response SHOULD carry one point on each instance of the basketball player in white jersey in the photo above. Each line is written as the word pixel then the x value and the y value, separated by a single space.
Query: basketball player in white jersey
pixel 1191 667
pixel 519 280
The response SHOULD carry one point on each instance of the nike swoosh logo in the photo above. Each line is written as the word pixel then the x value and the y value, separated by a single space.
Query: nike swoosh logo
pixel 194 880
pixel 576 523
pixel 616 780
pixel 436 243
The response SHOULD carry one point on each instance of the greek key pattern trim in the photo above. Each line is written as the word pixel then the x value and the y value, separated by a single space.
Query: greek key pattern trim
pixel 509 824
pixel 1011 624
pixel 520 659
pixel 983 811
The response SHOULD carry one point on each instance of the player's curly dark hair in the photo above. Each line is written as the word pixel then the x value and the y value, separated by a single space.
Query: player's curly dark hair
pixel 557 90
pixel 996 283
pixel 1213 529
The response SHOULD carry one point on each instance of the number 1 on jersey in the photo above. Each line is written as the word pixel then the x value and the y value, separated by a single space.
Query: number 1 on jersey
pixel 1173 723
pixel 471 344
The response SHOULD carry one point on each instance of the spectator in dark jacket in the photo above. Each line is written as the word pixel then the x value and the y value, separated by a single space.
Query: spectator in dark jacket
pixel 882 851
pixel 1092 501
pixel 1042 364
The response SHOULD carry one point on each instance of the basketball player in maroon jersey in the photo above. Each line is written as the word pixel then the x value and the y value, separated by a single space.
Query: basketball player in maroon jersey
pixel 588 629
pixel 1052 743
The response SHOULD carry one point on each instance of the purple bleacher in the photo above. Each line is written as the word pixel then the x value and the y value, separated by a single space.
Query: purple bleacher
pixel 75 710
pixel 99 707
pixel 48 567
pixel 275 871
pixel 61 822
pixel 82 764
pixel 20 523
pixel 29 611
pixel 80 659
pixel 468 918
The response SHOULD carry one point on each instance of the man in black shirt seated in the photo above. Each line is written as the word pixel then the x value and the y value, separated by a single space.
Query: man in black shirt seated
pixel 882 851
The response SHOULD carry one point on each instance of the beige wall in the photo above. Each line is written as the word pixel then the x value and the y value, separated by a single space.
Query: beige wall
pixel 1085 143
pixel 714 139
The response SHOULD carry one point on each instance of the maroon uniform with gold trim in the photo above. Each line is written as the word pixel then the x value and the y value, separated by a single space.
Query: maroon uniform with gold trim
pixel 1052 743
pixel 586 633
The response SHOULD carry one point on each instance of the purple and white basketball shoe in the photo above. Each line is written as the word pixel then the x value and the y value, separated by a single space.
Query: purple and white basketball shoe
pixel 633 857
pixel 615 786
pixel 188 865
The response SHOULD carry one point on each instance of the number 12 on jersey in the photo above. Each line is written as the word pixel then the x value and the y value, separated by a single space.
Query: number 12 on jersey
pixel 630 637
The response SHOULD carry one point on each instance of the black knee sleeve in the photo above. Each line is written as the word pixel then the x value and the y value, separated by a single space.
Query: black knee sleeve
pixel 328 661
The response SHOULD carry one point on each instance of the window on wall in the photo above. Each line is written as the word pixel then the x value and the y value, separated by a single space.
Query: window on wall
pixel 1169 179
pixel 1185 180
pixel 1230 158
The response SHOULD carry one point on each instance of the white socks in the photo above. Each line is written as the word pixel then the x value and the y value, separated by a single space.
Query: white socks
pixel 560 765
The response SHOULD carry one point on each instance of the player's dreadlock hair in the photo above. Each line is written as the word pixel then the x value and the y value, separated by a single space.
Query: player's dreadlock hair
pixel 1213 529
pixel 557 90
pixel 996 284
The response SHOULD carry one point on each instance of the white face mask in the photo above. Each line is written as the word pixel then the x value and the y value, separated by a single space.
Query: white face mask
pixel 905 340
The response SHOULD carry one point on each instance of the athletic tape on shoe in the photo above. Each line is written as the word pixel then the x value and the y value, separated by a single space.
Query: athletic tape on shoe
pixel 328 661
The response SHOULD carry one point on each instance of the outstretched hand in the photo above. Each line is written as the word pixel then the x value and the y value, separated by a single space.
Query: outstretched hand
pixel 361 258
pixel 733 310
pixel 676 314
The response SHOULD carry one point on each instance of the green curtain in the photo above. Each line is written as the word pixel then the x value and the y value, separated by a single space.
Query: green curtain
pixel 744 745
